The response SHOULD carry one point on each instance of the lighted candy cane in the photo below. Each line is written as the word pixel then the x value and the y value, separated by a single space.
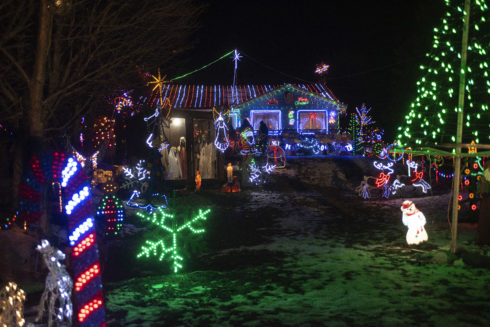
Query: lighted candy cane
pixel 89 308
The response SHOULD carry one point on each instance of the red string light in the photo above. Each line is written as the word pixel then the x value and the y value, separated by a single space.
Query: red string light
pixel 382 179
pixel 417 175
pixel 87 276
pixel 84 244
pixel 88 308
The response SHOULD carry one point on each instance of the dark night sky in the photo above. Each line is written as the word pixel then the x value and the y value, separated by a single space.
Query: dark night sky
pixel 373 48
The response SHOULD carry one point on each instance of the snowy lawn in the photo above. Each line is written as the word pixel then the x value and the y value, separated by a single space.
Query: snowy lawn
pixel 299 256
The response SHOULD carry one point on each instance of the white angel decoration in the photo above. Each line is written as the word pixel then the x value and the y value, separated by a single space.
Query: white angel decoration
pixel 415 220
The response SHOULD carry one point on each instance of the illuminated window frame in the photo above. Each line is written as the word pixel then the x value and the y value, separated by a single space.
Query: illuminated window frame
pixel 265 111
pixel 310 131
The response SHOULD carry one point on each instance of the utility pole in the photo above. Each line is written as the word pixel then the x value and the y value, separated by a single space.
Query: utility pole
pixel 459 131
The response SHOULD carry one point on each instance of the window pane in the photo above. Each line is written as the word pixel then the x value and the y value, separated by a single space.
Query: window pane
pixel 311 120
pixel 271 119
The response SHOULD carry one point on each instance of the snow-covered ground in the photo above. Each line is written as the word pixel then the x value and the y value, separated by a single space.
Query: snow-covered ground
pixel 292 254
pixel 302 250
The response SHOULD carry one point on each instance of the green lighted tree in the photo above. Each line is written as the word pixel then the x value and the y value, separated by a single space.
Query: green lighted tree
pixel 354 130
pixel 159 248
pixel 433 114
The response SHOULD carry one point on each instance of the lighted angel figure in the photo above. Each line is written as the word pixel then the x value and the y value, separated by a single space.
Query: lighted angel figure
pixel 221 141
pixel 415 220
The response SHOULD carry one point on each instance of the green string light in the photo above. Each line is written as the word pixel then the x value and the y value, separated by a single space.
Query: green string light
pixel 203 67
pixel 159 248
pixel 437 89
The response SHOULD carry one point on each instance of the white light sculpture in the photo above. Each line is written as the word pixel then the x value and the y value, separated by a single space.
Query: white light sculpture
pixel 415 220
pixel 58 286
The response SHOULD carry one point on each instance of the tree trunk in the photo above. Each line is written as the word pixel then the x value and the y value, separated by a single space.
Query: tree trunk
pixel 36 87
pixel 36 90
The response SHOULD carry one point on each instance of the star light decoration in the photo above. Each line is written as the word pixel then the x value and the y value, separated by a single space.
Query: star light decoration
pixel 160 248
pixel 321 69
pixel 159 82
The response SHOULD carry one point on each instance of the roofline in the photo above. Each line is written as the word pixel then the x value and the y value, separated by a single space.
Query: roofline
pixel 309 93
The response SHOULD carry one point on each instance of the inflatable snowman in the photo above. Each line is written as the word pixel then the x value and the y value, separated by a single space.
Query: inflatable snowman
pixel 414 219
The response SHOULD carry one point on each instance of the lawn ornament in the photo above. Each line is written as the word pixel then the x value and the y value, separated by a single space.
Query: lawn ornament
pixel 58 286
pixel 415 220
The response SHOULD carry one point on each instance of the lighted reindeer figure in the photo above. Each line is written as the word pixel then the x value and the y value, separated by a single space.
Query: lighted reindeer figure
pixel 381 181
pixel 58 286
pixel 413 177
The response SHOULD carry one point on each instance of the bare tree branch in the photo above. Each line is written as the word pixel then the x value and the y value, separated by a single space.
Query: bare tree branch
pixel 95 48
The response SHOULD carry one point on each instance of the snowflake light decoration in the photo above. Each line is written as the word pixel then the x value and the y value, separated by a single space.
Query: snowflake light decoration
pixel 136 177
pixel 258 174
pixel 160 248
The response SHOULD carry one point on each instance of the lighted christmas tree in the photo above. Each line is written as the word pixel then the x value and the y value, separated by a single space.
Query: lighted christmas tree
pixel 167 222
pixel 354 129
pixel 365 123
pixel 433 114
pixel 471 174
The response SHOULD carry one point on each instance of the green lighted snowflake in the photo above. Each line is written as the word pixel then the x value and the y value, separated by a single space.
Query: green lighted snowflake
pixel 158 248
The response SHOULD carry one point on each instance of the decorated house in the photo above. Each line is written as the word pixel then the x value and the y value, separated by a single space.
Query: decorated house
pixel 288 110
pixel 291 109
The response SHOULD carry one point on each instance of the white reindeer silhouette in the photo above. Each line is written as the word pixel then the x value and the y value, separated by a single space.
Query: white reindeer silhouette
pixel 58 286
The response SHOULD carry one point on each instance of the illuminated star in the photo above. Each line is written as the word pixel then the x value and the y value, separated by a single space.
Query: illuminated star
pixel 158 81
pixel 236 58
pixel 321 69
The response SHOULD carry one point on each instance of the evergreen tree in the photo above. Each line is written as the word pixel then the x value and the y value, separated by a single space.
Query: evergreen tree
pixel 433 114
pixel 354 129
pixel 471 174
pixel 365 123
